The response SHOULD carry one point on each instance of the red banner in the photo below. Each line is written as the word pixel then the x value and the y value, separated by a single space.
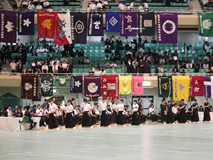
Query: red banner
pixel 46 24
pixel 110 86
pixel 29 87
pixel 197 85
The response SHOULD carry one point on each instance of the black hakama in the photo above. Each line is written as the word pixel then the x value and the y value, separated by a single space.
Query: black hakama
pixel 182 116
pixel 104 119
pixel 121 118
pixel 70 121
pixel 206 114
pixel 136 120
pixel 52 121
pixel 195 116
pixel 115 117
pixel 87 120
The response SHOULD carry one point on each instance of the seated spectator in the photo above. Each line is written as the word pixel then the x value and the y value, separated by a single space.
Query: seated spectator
pixel 107 58
pixel 103 71
pixel 41 2
pixel 206 57
pixel 45 68
pixel 86 61
pixel 18 4
pixel 122 6
pixel 189 65
pixel 146 7
pixel 107 65
pixel 92 6
pixel 55 67
pixel 97 72
pixel 33 66
pixel 25 4
pixel 113 65
pixel 140 8
pixel 46 4
pixel 13 66
pixel 33 111
pixel 64 66
pixel 99 5
pixel 15 110
pixel 31 6
pixel 92 69
pixel 131 6
pixel 35 2
pixel 9 111
pixel 50 9
pixel 153 40
pixel 201 109
pixel 19 67
pixel 69 68
pixel 39 7
pixel 104 3
pixel 81 60
pixel 160 69
pixel 153 113
pixel 205 65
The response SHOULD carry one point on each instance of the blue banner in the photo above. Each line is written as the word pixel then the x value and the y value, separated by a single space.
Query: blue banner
pixel 112 21
pixel 95 25
pixel 26 23
pixel 76 84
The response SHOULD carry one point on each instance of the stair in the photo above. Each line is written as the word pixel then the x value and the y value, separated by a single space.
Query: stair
pixel 196 7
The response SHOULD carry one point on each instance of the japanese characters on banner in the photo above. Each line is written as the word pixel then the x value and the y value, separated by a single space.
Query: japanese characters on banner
pixel 92 86
pixel 205 24
pixel 8 26
pixel 128 23
pixel 76 84
pixel 26 23
pixel 63 32
pixel 208 87
pixel 146 24
pixel 46 24
pixel 197 84
pixel 112 21
pixel 164 86
pixel 137 85
pixel 110 86
pixel 167 26
pixel 79 27
pixel 95 26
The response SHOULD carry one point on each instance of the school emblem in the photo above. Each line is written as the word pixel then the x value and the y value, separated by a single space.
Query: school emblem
pixel 165 86
pixel 171 25
pixel 46 85
pixel 92 88
pixel 79 26
pixel 28 86
pixel 181 87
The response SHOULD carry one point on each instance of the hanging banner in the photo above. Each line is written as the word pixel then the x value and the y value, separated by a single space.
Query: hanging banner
pixel 128 24
pixel 29 87
pixel 63 32
pixel 8 26
pixel 95 25
pixel 205 24
pixel 79 27
pixel 110 86
pixel 197 85
pixel 137 85
pixel 92 86
pixel 180 85
pixel 165 86
pixel 125 85
pixel 26 23
pixel 76 84
pixel 62 81
pixel 112 22
pixel 46 24
pixel 46 85
pixel 167 26
pixel 146 24
pixel 208 87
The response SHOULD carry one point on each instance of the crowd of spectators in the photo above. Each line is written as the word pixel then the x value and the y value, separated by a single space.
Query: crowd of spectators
pixel 97 5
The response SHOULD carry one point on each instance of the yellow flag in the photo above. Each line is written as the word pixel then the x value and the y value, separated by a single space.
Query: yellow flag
pixel 125 85
pixel 180 86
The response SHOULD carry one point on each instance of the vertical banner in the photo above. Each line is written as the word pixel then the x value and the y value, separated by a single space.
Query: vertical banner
pixel 95 25
pixel 208 87
pixel 125 85
pixel 137 85
pixel 29 87
pixel 79 27
pixel 46 85
pixel 62 81
pixel 180 85
pixel 146 24
pixel 197 85
pixel 46 24
pixel 92 86
pixel 26 23
pixel 8 26
pixel 63 32
pixel 165 86
pixel 76 84
pixel 205 24
pixel 110 86
pixel 128 24
pixel 112 21
pixel 167 26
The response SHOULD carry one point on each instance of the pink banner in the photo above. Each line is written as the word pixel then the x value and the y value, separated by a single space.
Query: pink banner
pixel 137 85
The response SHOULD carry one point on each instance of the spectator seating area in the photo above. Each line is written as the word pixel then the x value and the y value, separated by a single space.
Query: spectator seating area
pixel 206 5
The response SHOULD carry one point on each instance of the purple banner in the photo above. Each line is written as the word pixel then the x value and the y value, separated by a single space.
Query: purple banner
pixel 92 86
pixel 208 84
pixel 128 24
pixel 8 26
pixel 167 26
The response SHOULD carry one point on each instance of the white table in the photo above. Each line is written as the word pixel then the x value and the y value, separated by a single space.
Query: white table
pixel 201 115
pixel 13 124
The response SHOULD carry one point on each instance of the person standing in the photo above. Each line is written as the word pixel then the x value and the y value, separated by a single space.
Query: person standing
pixel 153 113
pixel 103 105
pixel 52 121
pixel 206 111
pixel 86 118
pixel 163 110
pixel 195 116
pixel 69 120
pixel 182 110
pixel 136 115
pixel 169 116
pixel 121 116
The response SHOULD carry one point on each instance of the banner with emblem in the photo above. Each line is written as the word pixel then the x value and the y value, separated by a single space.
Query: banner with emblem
pixel 26 23
pixel 29 87
pixel 92 86
pixel 8 26
pixel 125 85
pixel 79 27
pixel 205 24
pixel 167 27
pixel 63 32
pixel 76 84
pixel 197 85
pixel 128 24
pixel 146 24
pixel 46 24
pixel 46 85
pixel 112 21
pixel 165 86
pixel 110 86
pixel 180 85
pixel 137 85
pixel 208 86
pixel 95 26
pixel 62 81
